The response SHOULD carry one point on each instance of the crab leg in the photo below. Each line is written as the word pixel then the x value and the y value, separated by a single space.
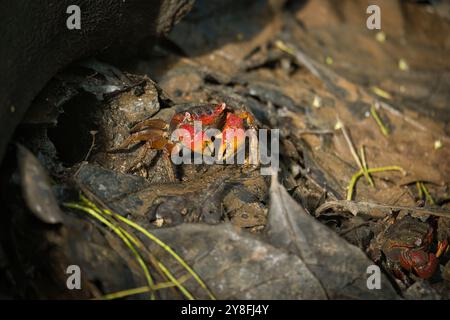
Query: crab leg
pixel 249 119
pixel 138 160
pixel 156 143
pixel 150 124
pixel 155 137
pixel 441 248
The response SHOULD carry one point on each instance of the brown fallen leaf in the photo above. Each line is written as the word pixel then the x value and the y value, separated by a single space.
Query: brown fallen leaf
pixel 235 264
pixel 36 188
pixel 340 267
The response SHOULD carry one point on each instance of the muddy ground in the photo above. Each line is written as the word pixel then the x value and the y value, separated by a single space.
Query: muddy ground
pixel 346 100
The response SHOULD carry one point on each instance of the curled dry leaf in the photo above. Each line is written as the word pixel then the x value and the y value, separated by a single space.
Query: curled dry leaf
pixel 36 188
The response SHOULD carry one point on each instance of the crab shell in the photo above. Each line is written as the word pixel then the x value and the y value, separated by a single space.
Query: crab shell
pixel 422 263
pixel 206 114
pixel 410 250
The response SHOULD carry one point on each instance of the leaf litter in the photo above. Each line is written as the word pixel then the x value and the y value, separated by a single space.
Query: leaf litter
pixel 293 238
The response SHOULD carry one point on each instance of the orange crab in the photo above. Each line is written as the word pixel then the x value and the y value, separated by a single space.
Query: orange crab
pixel 158 134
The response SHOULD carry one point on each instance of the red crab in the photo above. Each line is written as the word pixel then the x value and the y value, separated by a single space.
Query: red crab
pixel 157 134
pixel 405 245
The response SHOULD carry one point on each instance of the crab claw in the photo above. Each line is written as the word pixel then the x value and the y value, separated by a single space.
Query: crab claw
pixel 233 135
pixel 211 116
pixel 441 248
pixel 195 141
pixel 422 263
pixel 180 118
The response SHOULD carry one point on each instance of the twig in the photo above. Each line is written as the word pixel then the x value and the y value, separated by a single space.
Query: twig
pixel 318 132
pixel 93 133
pixel 353 152
pixel 401 115
pixel 364 163
pixel 355 208
pixel 344 232
pixel 300 57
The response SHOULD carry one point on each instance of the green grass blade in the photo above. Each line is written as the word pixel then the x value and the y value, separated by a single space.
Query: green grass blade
pixel 168 249
pixel 175 281
pixel 124 238
pixel 359 174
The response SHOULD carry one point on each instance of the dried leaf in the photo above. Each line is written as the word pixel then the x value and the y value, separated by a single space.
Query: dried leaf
pixel 236 265
pixel 340 267
pixel 36 188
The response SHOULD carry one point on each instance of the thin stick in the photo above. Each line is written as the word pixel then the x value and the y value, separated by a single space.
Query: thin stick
pixel 93 133
pixel 316 132
pixel 356 207
pixel 353 152
pixel 364 163
pixel 300 57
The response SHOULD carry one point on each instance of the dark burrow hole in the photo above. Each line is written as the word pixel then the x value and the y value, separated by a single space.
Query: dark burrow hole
pixel 72 137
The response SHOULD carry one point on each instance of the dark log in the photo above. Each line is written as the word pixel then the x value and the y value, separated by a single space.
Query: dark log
pixel 35 42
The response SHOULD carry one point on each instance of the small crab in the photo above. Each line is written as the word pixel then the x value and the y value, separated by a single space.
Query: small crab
pixel 157 133
pixel 406 244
